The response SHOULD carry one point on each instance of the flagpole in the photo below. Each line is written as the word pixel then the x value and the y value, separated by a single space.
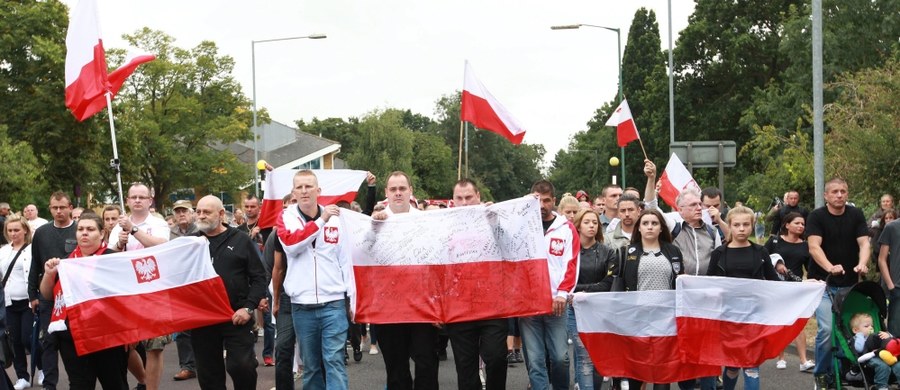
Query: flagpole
pixel 459 164
pixel 640 141
pixel 114 163
pixel 467 149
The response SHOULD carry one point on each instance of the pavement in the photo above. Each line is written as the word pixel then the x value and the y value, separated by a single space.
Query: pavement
pixel 368 374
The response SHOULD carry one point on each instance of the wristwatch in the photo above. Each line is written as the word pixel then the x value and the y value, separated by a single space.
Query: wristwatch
pixel 134 230
pixel 249 310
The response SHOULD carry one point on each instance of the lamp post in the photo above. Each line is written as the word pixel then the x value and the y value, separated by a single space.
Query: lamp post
pixel 618 64
pixel 255 128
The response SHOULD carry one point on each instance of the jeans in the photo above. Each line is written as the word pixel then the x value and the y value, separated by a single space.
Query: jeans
pixel 322 331
pixel 894 311
pixel 268 330
pixel 19 322
pixel 185 351
pixel 883 371
pixel 545 337
pixel 285 338
pixel 824 318
pixel 586 376
pixel 751 378
pixel 706 383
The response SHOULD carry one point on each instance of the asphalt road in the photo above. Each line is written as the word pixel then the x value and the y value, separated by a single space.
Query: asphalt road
pixel 368 374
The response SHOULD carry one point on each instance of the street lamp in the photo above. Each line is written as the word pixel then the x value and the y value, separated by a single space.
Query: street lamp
pixel 619 65
pixel 255 128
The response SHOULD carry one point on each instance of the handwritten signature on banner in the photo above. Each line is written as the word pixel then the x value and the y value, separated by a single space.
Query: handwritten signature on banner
pixel 506 230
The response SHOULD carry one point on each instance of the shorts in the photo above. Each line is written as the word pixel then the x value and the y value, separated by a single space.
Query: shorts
pixel 157 343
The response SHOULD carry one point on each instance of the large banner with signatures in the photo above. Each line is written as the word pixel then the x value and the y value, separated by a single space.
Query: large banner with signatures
pixel 450 265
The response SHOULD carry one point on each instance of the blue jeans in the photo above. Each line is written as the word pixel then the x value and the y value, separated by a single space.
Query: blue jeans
pixel 545 337
pixel 586 376
pixel 322 332
pixel 751 378
pixel 824 318
pixel 894 311
pixel 883 371
pixel 268 330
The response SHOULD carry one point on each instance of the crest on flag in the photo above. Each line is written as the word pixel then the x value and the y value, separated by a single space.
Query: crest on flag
pixel 557 246
pixel 59 304
pixel 145 269
pixel 331 234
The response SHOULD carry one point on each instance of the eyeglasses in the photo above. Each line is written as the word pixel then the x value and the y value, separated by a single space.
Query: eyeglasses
pixel 691 206
pixel 138 197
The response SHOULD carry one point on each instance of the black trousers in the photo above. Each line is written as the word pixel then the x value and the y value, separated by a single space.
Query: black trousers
pixel 108 366
pixel 19 321
pixel 285 338
pixel 237 341
pixel 399 343
pixel 479 338
pixel 50 352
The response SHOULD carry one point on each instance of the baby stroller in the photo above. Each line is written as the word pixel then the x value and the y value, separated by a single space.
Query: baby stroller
pixel 864 297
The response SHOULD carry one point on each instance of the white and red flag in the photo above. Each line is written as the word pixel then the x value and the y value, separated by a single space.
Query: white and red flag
pixel 336 184
pixel 450 265
pixel 87 77
pixel 633 335
pixel 621 119
pixel 125 297
pixel 484 111
pixel 740 322
pixel 674 180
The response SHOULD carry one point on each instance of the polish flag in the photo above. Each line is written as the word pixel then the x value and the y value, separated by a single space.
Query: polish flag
pixel 737 322
pixel 125 297
pixel 633 335
pixel 675 179
pixel 87 80
pixel 450 265
pixel 336 185
pixel 621 119
pixel 481 109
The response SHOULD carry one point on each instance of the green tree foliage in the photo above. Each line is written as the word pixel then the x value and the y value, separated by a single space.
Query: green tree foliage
pixel 32 95
pixel 782 159
pixel 865 128
pixel 22 181
pixel 173 111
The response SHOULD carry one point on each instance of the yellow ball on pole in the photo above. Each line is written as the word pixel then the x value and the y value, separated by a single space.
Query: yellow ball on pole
pixel 261 165
pixel 614 161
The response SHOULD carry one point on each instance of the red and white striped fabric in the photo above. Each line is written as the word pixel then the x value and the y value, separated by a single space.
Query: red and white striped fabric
pixel 450 265
pixel 336 184
pixel 633 335
pixel 87 81
pixel 126 297
pixel 480 108
pixel 675 179
pixel 740 322
pixel 626 129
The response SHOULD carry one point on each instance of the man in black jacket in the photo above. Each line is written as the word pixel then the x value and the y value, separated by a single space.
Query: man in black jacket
pixel 237 261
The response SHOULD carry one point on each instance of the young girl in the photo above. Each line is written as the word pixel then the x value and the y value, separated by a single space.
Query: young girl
pixel 740 258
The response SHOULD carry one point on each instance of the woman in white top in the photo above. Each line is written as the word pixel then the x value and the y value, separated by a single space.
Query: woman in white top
pixel 15 264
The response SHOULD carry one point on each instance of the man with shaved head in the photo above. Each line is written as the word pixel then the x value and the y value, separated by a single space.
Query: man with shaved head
pixel 237 261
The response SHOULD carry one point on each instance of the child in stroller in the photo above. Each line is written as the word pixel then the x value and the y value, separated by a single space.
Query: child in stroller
pixel 875 349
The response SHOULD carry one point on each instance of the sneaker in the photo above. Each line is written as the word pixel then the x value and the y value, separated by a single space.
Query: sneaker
pixel 268 361
pixel 781 364
pixel 40 378
pixel 373 350
pixel 510 358
pixel 519 358
pixel 854 376
pixel 22 383
pixel 569 341
pixel 357 355
pixel 807 365
pixel 823 382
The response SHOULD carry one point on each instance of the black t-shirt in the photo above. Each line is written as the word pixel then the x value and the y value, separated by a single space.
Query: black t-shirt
pixel 737 262
pixel 795 254
pixel 547 224
pixel 839 234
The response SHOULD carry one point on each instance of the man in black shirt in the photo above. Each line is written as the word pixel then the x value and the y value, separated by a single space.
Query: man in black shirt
pixel 839 246
pixel 791 205
pixel 50 240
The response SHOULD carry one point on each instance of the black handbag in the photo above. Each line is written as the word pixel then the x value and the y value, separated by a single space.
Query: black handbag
pixel 6 350
pixel 618 282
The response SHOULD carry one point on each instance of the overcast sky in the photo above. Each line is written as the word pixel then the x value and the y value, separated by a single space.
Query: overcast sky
pixel 406 53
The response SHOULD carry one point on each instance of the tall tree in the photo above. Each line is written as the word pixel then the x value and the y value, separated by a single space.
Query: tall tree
pixel 21 182
pixel 173 112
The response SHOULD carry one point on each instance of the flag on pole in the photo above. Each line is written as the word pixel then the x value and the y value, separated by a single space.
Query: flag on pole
pixel 480 108
pixel 125 297
pixel 451 265
pixel 336 184
pixel 740 322
pixel 674 180
pixel 621 119
pixel 634 335
pixel 87 77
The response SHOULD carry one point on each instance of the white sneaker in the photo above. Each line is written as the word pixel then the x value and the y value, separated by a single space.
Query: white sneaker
pixel 373 350
pixel 624 385
pixel 781 364
pixel 40 378
pixel 22 383
pixel 805 366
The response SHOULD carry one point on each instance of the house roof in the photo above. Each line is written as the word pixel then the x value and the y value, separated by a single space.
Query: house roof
pixel 282 145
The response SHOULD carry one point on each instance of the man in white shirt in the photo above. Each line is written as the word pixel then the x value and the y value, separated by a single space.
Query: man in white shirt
pixel 31 214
